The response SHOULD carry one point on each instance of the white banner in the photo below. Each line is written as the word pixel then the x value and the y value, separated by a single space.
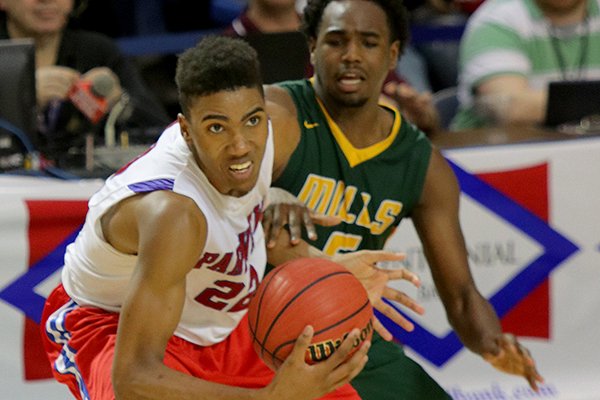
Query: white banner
pixel 532 231
pixel 533 236
pixel 37 216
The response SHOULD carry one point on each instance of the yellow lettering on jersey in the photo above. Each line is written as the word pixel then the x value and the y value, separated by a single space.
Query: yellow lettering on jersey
pixel 339 241
pixel 386 215
pixel 348 199
pixel 336 202
pixel 364 219
pixel 324 196
pixel 316 192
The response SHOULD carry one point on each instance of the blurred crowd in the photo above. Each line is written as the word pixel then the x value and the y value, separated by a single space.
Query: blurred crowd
pixel 490 61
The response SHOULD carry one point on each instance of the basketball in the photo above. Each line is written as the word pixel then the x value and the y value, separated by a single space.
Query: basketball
pixel 308 291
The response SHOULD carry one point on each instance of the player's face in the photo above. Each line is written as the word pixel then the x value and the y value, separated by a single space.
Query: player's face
pixel 352 53
pixel 227 133
pixel 32 18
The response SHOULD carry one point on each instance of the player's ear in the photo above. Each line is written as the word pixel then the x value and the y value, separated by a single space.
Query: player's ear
pixel 184 126
pixel 312 44
pixel 394 54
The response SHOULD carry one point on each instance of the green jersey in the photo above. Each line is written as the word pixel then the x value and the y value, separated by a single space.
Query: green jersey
pixel 371 188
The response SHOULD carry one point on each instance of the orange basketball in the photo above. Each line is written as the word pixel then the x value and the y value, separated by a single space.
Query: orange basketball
pixel 308 291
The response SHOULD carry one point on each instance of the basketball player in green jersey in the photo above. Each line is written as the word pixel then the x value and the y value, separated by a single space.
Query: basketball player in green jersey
pixel 344 154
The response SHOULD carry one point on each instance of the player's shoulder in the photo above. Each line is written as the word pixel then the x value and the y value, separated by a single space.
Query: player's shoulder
pixel 277 94
pixel 167 208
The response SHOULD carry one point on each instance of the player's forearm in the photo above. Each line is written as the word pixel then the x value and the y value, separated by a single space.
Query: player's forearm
pixel 163 383
pixel 476 323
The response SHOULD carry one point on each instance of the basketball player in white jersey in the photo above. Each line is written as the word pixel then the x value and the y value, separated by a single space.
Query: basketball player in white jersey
pixel 155 288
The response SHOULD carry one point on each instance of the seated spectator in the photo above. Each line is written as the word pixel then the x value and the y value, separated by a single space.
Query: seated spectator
pixel 512 49
pixel 262 16
pixel 64 57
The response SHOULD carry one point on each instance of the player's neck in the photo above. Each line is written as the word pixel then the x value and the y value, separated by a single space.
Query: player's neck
pixel 363 126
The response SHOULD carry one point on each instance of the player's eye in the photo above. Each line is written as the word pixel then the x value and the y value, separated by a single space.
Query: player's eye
pixel 216 128
pixel 334 40
pixel 253 121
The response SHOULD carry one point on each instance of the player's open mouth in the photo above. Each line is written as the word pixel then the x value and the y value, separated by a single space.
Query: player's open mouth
pixel 349 82
pixel 241 169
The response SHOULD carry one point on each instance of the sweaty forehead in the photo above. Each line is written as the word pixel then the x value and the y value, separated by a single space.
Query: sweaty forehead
pixel 360 16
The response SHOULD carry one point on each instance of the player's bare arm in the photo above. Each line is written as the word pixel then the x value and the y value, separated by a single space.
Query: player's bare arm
pixel 470 314
pixel 286 131
pixel 168 233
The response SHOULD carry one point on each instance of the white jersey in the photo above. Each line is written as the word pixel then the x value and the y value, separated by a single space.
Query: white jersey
pixel 219 287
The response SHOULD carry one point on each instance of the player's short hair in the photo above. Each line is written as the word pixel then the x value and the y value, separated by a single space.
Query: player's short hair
pixel 397 18
pixel 215 64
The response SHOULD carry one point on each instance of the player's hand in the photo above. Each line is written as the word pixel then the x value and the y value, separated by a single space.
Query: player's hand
pixel 297 380
pixel 285 209
pixel 363 265
pixel 513 358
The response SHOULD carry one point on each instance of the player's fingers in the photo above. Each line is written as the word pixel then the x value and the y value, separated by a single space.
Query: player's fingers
pixel 403 274
pixel 309 225
pixel 404 299
pixel 531 373
pixel 375 256
pixel 298 352
pixel 348 367
pixel 275 226
pixel 395 316
pixel 533 380
pixel 294 226
pixel 342 352
pixel 383 332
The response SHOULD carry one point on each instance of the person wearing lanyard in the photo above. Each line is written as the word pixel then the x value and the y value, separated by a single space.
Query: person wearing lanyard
pixel 512 50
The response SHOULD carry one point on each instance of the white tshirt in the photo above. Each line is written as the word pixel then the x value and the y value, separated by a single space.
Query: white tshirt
pixel 234 258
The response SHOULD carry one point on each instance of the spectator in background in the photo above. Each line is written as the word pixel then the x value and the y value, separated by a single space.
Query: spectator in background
pixel 65 56
pixel 512 49
pixel 261 16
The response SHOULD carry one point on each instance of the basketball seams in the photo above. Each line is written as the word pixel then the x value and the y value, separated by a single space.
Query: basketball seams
pixel 311 291
pixel 339 322
pixel 265 284
pixel 291 301
pixel 296 296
